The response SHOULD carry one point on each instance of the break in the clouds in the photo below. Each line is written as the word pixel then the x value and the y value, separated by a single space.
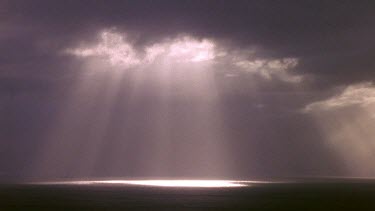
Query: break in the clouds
pixel 119 52
pixel 114 48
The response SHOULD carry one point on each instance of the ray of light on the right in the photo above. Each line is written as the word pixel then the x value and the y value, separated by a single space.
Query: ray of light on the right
pixel 347 121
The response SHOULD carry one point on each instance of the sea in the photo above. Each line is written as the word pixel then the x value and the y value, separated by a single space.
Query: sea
pixel 301 195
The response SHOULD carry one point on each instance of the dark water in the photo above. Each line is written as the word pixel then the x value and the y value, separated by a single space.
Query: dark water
pixel 331 195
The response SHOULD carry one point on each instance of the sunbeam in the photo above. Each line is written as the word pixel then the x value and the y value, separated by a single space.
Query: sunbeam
pixel 170 92
pixel 348 123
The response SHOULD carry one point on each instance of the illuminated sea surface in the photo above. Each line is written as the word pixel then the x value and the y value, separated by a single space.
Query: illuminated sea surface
pixel 327 194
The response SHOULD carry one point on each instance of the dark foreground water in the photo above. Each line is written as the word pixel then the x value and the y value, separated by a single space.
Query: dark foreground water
pixel 328 195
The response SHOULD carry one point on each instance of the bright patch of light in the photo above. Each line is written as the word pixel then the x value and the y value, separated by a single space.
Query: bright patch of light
pixel 181 183
pixel 113 47
pixel 166 183
pixel 184 49
pixel 192 50
pixel 154 52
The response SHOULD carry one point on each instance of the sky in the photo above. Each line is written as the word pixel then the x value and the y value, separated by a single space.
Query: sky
pixel 186 89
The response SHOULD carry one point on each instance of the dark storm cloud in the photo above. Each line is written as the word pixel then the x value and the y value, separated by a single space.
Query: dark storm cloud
pixel 332 39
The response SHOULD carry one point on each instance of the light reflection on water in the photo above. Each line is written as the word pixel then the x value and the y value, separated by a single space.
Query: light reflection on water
pixel 163 183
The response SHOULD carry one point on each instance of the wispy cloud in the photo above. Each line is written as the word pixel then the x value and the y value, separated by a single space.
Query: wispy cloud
pixel 271 68
pixel 362 94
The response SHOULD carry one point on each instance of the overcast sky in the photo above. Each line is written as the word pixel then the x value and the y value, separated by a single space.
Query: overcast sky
pixel 186 89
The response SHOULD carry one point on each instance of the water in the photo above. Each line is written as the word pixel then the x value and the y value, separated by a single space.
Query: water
pixel 88 195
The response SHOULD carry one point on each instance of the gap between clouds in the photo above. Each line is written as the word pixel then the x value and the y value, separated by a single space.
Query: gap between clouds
pixel 114 49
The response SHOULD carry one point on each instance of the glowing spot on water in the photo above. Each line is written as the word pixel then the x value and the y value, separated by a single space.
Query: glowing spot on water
pixel 180 183
pixel 164 183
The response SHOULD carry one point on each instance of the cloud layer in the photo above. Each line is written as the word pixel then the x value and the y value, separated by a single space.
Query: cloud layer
pixel 362 95
pixel 113 48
